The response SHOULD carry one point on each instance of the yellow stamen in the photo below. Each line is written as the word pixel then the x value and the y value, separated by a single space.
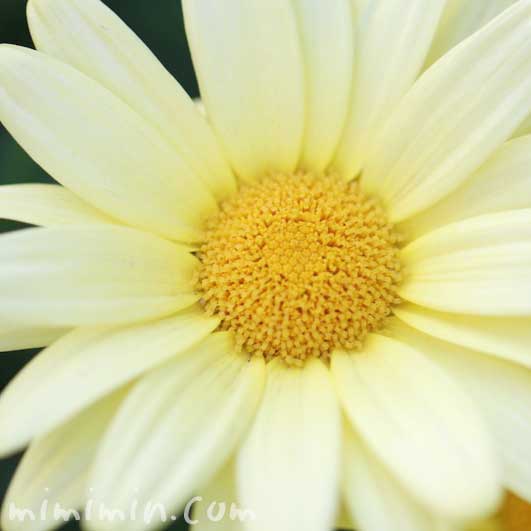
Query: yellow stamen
pixel 297 266
pixel 516 514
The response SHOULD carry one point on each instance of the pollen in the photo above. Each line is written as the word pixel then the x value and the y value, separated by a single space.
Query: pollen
pixel 299 265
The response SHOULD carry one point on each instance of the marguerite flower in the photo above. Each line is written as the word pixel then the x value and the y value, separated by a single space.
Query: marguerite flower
pixel 319 292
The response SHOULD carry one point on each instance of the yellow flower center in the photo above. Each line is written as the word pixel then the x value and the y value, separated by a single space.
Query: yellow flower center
pixel 297 266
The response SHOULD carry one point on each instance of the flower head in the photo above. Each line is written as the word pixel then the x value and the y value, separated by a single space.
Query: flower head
pixel 298 266
pixel 318 291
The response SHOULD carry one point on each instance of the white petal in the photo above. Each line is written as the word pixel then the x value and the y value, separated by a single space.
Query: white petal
pixel 109 52
pixel 502 183
pixel 454 116
pixel 249 65
pixel 178 426
pixel 479 266
pixel 506 337
pixel 216 511
pixel 502 393
pixel 393 40
pixel 84 366
pixel 48 205
pixel 73 276
pixel 55 469
pixel 327 33
pixel 421 426
pixel 460 19
pixel 288 466
pixel 24 338
pixel 377 501
pixel 96 145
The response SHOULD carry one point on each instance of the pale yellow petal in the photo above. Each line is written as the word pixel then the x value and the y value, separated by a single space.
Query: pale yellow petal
pixel 453 118
pixel 359 7
pixel 392 42
pixel 54 471
pixel 478 266
pixel 502 183
pixel 505 337
pixel 460 19
pixel 200 106
pixel 344 520
pixel 85 365
pixel 74 276
pixel 288 467
pixel 525 128
pixel 421 426
pixel 327 33
pixel 492 524
pixel 95 144
pixel 48 205
pixel 176 429
pixel 248 60
pixel 219 507
pixel 90 37
pixel 374 497
pixel 23 338
pixel 502 393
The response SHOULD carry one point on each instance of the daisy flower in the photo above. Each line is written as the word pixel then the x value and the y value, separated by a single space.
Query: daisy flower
pixel 317 294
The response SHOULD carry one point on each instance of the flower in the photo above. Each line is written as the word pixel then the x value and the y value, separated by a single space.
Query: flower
pixel 320 291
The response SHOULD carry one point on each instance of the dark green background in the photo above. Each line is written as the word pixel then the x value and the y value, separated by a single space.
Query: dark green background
pixel 159 23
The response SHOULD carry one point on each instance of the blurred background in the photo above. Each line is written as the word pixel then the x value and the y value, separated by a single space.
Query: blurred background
pixel 161 28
